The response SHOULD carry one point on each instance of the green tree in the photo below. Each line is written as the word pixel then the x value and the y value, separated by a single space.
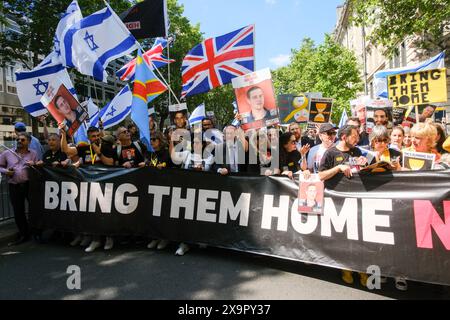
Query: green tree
pixel 328 68
pixel 395 20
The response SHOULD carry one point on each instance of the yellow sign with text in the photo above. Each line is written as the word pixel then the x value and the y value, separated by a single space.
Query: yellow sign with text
pixel 416 88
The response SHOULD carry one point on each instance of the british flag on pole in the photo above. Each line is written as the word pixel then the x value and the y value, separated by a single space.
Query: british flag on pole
pixel 153 57
pixel 216 61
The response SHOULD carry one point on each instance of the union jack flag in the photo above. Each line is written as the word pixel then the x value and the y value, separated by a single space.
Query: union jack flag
pixel 216 61
pixel 155 55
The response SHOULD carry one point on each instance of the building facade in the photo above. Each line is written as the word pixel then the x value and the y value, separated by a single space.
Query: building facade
pixel 370 56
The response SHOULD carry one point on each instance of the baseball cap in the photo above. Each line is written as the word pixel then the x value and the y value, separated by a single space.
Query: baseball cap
pixel 327 127
pixel 20 127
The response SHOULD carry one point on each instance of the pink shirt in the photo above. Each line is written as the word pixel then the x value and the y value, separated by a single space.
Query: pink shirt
pixel 10 160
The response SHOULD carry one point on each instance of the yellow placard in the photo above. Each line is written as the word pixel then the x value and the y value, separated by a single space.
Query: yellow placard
pixel 416 88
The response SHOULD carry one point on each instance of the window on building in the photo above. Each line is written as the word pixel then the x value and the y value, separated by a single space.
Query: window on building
pixel 403 54
pixel 11 70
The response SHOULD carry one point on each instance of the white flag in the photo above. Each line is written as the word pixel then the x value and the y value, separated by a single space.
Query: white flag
pixel 31 86
pixel 93 110
pixel 116 111
pixel 380 78
pixel 69 18
pixel 197 115
pixel 91 43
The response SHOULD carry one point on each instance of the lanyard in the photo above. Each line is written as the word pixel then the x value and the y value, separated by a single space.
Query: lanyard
pixel 93 157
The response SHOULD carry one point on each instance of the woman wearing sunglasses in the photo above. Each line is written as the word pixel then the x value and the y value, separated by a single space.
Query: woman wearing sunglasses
pixel 379 143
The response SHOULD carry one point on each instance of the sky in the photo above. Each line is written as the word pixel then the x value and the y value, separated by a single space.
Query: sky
pixel 280 24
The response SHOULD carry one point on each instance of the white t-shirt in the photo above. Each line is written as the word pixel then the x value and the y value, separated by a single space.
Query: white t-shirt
pixel 315 157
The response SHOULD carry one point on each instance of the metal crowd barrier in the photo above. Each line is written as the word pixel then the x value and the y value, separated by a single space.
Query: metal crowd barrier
pixel 6 211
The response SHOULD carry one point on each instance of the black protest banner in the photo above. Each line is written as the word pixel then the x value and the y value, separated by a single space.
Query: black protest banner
pixel 147 19
pixel 399 222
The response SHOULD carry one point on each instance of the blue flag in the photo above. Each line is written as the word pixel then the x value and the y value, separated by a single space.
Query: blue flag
pixel 146 88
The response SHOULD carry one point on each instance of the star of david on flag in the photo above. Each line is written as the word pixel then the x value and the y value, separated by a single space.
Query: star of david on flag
pixel 31 86
pixel 116 111
pixel 94 41
pixel 90 41
pixel 38 86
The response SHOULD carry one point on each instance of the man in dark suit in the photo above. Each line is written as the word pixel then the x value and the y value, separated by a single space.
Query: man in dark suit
pixel 230 155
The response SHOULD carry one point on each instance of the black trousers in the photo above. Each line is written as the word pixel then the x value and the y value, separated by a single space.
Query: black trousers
pixel 18 194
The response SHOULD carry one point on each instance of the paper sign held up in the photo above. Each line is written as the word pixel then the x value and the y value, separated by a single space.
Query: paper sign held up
pixel 417 88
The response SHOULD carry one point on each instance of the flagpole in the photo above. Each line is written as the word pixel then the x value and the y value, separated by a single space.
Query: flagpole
pixel 140 47
pixel 168 67
pixel 162 77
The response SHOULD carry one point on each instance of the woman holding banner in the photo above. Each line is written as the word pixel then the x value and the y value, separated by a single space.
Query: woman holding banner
pixel 290 158
pixel 379 142
pixel 424 136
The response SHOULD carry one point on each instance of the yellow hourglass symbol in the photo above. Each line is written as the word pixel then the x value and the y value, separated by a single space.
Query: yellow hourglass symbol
pixel 320 109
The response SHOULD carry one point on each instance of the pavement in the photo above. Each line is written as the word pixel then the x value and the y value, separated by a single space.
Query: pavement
pixel 130 271
pixel 8 232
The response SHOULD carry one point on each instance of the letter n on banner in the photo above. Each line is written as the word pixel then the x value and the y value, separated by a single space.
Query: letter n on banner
pixel 426 218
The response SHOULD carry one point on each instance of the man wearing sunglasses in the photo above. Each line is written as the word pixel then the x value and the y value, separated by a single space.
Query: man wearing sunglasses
pixel 35 144
pixel 14 164
pixel 327 134
pixel 344 157
pixel 129 154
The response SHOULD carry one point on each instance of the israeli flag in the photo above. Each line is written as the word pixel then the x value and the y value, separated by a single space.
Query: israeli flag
pixel 92 109
pixel 31 86
pixel 91 43
pixel 380 78
pixel 368 154
pixel 116 111
pixel 344 118
pixel 197 115
pixel 70 17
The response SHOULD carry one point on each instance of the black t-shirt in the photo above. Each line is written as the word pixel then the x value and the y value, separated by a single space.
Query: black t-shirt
pixel 49 157
pixel 291 160
pixel 160 157
pixel 130 154
pixel 87 154
pixel 334 157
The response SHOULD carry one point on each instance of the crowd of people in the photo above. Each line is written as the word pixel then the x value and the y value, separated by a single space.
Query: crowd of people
pixel 323 149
